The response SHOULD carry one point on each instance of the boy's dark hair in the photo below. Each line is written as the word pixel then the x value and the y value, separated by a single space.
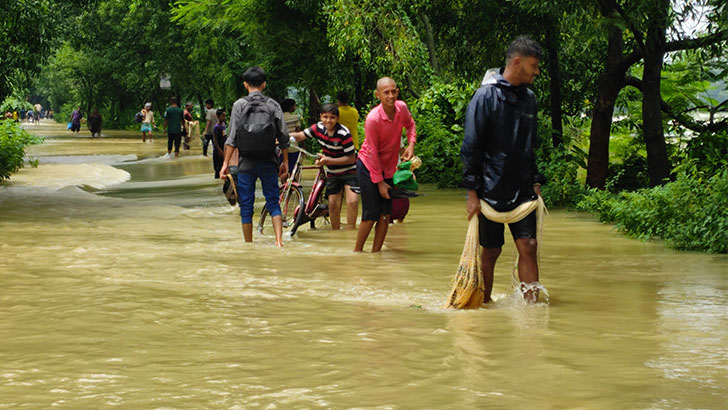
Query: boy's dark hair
pixel 220 112
pixel 173 100
pixel 523 46
pixel 330 109
pixel 342 97
pixel 209 101
pixel 288 104
pixel 254 76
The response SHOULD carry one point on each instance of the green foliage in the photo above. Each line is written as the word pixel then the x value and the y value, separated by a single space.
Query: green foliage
pixel 688 213
pixel 705 155
pixel 382 34
pixel 14 102
pixel 439 115
pixel 561 169
pixel 13 141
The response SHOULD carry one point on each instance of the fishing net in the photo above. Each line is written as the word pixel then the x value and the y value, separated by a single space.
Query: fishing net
pixel 468 290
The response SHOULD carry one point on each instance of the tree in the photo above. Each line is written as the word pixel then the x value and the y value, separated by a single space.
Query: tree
pixel 626 30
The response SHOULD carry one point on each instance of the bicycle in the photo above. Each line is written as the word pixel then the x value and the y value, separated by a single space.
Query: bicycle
pixel 294 211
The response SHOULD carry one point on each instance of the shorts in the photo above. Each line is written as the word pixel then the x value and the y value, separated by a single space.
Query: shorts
pixel 491 233
pixel 75 127
pixel 335 182
pixel 146 127
pixel 372 204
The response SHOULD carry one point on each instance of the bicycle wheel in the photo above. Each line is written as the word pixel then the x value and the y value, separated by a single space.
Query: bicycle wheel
pixel 290 205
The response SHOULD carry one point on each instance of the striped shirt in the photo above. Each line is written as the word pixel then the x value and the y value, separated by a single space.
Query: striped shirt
pixel 339 145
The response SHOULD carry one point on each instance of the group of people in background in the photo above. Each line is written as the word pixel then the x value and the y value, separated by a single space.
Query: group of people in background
pixel 32 115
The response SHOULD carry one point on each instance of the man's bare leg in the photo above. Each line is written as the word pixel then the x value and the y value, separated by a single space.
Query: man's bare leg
pixel 248 232
pixel 277 228
pixel 335 211
pixel 528 265
pixel 488 258
pixel 352 207
pixel 361 236
pixel 380 232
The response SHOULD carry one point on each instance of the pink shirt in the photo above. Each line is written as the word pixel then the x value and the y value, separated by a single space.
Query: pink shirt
pixel 383 137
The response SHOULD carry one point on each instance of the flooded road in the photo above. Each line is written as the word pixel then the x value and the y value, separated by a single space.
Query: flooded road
pixel 124 283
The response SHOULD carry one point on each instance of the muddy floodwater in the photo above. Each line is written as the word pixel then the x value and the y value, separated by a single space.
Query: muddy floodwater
pixel 124 283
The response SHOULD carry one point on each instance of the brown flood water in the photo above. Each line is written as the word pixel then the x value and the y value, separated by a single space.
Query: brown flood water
pixel 124 283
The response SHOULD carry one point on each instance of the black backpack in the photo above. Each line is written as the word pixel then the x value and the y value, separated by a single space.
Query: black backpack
pixel 139 117
pixel 256 134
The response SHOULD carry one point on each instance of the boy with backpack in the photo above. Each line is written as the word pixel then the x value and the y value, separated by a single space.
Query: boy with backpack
pixel 256 127
pixel 339 156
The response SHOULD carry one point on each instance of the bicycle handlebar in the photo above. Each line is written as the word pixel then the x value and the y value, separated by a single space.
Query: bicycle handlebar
pixel 296 147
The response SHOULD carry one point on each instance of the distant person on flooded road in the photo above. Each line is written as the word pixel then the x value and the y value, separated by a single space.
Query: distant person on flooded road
pixel 499 164
pixel 94 123
pixel 218 142
pixel 293 124
pixel 378 161
pixel 173 118
pixel 147 122
pixel 187 115
pixel 75 120
pixel 210 121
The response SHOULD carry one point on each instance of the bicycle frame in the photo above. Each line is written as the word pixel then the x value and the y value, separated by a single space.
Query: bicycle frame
pixel 317 188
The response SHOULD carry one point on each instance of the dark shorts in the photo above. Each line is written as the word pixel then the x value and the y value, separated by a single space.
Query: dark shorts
pixel 372 204
pixel 491 233
pixel 335 183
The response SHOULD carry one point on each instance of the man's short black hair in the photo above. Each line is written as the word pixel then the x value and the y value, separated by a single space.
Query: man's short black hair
pixel 523 46
pixel 288 104
pixel 220 112
pixel 209 101
pixel 254 76
pixel 342 97
pixel 330 109
pixel 173 100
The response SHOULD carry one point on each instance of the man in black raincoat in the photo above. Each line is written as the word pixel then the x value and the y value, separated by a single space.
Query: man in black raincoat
pixel 499 162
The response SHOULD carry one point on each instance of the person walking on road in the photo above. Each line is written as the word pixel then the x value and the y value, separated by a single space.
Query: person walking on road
pixel 147 122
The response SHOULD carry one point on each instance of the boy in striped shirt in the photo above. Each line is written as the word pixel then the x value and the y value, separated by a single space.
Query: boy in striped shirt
pixel 339 156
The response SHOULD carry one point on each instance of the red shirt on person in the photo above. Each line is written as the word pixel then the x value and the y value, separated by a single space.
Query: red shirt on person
pixel 380 150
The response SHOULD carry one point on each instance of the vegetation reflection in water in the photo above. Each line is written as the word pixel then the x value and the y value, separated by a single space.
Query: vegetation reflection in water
pixel 142 294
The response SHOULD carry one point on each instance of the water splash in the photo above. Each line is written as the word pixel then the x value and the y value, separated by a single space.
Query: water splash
pixel 524 289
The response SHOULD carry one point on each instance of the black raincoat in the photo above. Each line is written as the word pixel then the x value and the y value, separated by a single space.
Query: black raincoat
pixel 498 149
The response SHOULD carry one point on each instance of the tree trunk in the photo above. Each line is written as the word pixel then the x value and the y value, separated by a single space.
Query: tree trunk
pixel 358 92
pixel 552 47
pixel 610 83
pixel 658 165
pixel 430 41
pixel 314 106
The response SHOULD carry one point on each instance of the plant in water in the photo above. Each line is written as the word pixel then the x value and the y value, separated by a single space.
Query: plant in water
pixel 13 141
pixel 690 213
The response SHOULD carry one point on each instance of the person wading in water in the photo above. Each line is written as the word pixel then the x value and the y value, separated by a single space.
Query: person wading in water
pixel 499 162
pixel 378 161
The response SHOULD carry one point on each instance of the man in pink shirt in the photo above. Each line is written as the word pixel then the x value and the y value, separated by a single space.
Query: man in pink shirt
pixel 378 161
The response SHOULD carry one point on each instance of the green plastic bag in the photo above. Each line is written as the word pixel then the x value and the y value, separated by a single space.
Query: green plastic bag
pixel 404 178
